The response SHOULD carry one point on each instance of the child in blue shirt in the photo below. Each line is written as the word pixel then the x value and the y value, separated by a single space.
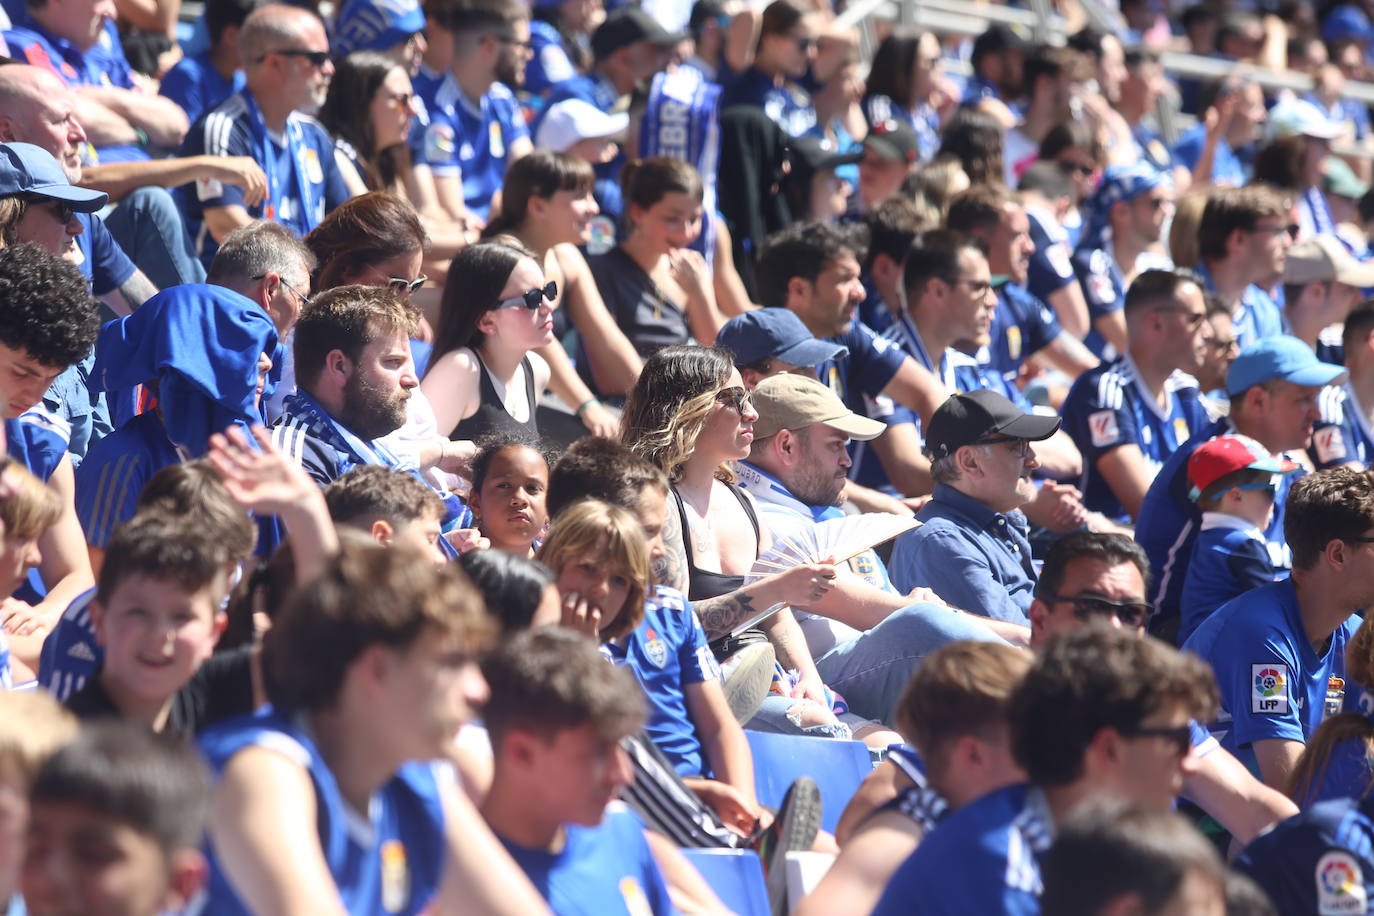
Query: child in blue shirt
pixel 1234 484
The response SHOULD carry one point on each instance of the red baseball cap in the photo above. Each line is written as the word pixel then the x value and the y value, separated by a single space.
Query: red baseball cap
pixel 1216 458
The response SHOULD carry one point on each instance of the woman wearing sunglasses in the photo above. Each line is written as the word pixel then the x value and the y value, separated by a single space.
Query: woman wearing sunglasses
pixel 483 378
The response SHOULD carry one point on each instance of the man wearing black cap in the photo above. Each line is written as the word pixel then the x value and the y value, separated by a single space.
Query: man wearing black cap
pixel 627 50
pixel 890 155
pixel 997 59
pixel 786 48
pixel 972 548
pixel 814 190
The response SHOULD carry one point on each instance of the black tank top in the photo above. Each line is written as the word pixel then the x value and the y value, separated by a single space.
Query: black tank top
pixel 703 583
pixel 491 416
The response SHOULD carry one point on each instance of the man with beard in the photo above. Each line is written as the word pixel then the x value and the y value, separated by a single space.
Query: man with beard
pixel 354 375
pixel 287 70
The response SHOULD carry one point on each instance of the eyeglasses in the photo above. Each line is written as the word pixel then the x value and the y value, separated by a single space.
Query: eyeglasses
pixel 401 102
pixel 512 40
pixel 977 288
pixel 317 59
pixel 403 287
pixel 1194 319
pixel 1290 230
pixel 1181 736
pixel 1023 450
pixel 805 43
pixel 1224 344
pixel 1077 168
pixel 736 397
pixel 1133 614
pixel 61 210
pixel 531 298
pixel 304 299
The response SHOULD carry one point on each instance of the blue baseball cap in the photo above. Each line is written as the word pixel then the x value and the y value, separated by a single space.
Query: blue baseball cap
pixel 375 25
pixel 775 333
pixel 29 169
pixel 1280 357
pixel 1345 23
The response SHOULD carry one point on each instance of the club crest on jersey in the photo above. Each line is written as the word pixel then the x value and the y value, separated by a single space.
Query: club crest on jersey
pixel 1269 689
pixel 636 903
pixel 310 164
pixel 655 648
pixel 1335 696
pixel 1340 885
pixel 1013 336
pixel 395 876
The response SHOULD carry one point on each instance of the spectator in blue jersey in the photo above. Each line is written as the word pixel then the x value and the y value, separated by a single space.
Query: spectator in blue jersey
pixel 1243 241
pixel 202 81
pixel 393 28
pixel 1322 282
pixel 812 269
pixel 972 547
pixel 147 798
pixel 287 69
pixel 557 716
pixel 48 324
pixel 1127 416
pixel 560 37
pixel 953 713
pixel 785 50
pixel 892 226
pixel 1022 325
pixel 1141 89
pixel 1299 143
pixel 1279 651
pixel 768 342
pixel 475 127
pixel 203 353
pixel 1234 481
pixel 889 156
pixel 1113 856
pixel 1047 193
pixel 1101 713
pixel 372 667
pixel 68 42
pixel 905 82
pixel 1123 223
pixel 1343 437
pixel 1273 387
pixel 1232 115
pixel 995 85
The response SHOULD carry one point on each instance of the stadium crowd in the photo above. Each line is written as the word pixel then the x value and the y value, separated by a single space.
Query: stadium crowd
pixel 581 457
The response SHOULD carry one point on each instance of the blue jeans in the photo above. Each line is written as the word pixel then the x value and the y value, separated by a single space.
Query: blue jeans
pixel 148 226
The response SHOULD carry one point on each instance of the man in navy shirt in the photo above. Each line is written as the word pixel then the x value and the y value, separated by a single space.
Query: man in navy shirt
pixel 997 59
pixel 1279 651
pixel 201 82
pixel 1321 861
pixel 972 548
pixel 1244 240
pixel 1343 437
pixel 1273 387
pixel 1125 736
pixel 786 48
pixel 1046 190
pixel 287 67
pixel 627 50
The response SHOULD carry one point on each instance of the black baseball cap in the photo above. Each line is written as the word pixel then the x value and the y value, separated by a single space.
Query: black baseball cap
pixel 998 38
pixel 965 419
pixel 892 139
pixel 626 26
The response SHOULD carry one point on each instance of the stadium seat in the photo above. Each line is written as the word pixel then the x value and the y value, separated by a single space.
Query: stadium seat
pixel 837 766
pixel 736 875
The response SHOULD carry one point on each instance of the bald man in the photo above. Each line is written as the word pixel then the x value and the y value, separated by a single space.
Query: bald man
pixel 285 55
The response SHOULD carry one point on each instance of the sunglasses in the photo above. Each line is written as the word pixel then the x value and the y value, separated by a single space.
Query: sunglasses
pixel 401 102
pixel 531 298
pixel 1181 736
pixel 512 40
pixel 1022 451
pixel 1133 614
pixel 402 286
pixel 736 397
pixel 1077 168
pixel 316 58
pixel 61 210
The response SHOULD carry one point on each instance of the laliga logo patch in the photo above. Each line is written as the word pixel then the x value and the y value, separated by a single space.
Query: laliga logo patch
pixel 1340 885
pixel 1269 690
pixel 655 648
pixel 1329 444
pixel 1103 428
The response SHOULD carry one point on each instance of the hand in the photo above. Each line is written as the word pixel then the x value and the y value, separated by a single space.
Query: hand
pixel 734 810
pixel 689 271
pixel 811 688
pixel 241 172
pixel 1218 118
pixel 22 619
pixel 456 457
pixel 1065 505
pixel 579 617
pixel 916 503
pixel 922 595
pixel 262 480
pixel 466 539
pixel 806 584
pixel 600 421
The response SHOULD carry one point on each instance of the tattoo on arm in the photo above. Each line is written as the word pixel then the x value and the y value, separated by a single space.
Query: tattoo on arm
pixel 137 290
pixel 671 568
pixel 722 614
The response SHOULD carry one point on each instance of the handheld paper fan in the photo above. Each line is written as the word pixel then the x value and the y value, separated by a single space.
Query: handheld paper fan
pixel 838 539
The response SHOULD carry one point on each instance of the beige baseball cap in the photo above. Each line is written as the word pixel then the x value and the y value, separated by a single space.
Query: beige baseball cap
pixel 1321 259
pixel 795 401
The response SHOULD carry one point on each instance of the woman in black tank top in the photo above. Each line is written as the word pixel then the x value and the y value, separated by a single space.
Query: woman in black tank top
pixel 483 378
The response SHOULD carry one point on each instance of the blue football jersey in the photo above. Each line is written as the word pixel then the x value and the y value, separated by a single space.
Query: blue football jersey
pixel 1342 435
pixel 1321 861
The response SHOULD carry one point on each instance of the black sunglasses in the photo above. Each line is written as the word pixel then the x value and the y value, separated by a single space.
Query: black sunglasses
pixel 61 210
pixel 1132 614
pixel 1181 736
pixel 531 298
pixel 736 397
pixel 316 58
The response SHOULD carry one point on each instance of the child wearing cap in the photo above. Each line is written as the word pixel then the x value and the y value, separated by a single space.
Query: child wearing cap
pixel 1234 484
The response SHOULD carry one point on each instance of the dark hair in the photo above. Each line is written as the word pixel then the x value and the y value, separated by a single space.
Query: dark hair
pixel 366 230
pixel 1111 549
pixel 1231 209
pixel 365 596
pixel 1243 896
pixel 49 314
pixel 347 318
pixel 475 280
pixel 511 585
pixel 1070 135
pixel 192 489
pixel 1046 178
pixel 372 491
pixel 780 17
pixel 1095 677
pixel 490 446
pixel 934 256
pixel 543 173
pixel 1209 498
pixel 575 43
pixel 975 138
pixel 261 247
pixel 801 250
pixel 1108 848
pixel 1366 206
pixel 1280 163
pixel 154 783
pixel 221 14
pixel 670 402
pixel 176 548
pixel 598 468
pixel 892 226
pixel 1087 40
pixel 1331 505
pixel 1136 58
pixel 1212 91
pixel 551 679
pixel 475 15
pixel 347 113
pixel 1049 62
pixel 979 209
pixel 1155 288
pixel 890 72
pixel 1358 324
pixel 645 182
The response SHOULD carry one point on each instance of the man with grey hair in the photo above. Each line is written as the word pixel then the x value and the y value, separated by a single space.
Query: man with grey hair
pixel 972 548
pixel 286 66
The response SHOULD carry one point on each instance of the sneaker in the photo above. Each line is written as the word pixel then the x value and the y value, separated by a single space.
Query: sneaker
pixel 794 829
pixel 748 674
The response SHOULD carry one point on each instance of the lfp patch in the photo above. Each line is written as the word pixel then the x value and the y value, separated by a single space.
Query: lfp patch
pixel 1269 689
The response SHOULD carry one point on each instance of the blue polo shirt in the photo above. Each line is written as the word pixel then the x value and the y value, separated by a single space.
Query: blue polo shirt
pixel 974 558
pixel 1256 317
pixel 470 140
pixel 1150 147
pixel 550 64
pixel 668 652
pixel 1319 861
pixel 983 858
pixel 1021 326
pixel 1109 407
pixel 871 363
pixel 1230 557
pixel 115 471
pixel 197 86
pixel 1342 435
pixel 303 180
pixel 1273 683
pixel 789 105
pixel 103 261
pixel 1227 168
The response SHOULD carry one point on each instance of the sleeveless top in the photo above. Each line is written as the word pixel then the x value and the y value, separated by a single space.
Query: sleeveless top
pixel 703 583
pixel 491 416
